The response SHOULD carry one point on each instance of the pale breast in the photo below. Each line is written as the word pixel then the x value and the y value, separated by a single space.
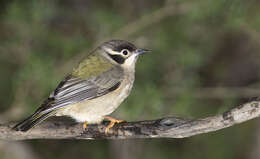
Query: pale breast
pixel 93 111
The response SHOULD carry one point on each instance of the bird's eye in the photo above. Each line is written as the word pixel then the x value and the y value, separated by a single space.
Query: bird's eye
pixel 125 52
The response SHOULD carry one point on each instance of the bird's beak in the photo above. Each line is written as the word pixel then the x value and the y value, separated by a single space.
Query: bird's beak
pixel 141 51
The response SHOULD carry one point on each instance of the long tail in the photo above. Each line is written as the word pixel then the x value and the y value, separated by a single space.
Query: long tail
pixel 32 120
pixel 37 117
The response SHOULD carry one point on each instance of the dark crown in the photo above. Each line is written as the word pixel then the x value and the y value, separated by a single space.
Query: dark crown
pixel 118 45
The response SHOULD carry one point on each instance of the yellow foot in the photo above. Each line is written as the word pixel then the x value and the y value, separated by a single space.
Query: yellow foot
pixel 113 121
pixel 85 124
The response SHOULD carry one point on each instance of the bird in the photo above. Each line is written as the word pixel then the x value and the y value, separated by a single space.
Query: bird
pixel 94 88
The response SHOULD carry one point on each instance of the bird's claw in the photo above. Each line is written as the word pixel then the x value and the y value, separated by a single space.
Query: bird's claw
pixel 113 121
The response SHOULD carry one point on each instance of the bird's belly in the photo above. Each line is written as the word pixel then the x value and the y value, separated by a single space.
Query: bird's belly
pixel 94 110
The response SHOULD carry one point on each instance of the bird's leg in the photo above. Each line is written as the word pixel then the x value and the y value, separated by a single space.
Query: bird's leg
pixel 85 124
pixel 113 121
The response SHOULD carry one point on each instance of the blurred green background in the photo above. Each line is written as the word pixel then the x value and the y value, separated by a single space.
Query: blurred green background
pixel 204 60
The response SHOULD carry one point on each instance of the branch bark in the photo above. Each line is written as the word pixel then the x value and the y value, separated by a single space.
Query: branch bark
pixel 169 127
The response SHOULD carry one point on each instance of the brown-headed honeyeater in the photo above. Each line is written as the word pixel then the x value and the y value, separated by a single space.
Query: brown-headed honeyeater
pixel 94 89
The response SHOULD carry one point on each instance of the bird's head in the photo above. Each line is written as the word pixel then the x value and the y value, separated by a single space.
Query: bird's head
pixel 120 52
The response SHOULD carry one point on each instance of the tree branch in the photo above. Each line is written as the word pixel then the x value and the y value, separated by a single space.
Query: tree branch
pixel 169 127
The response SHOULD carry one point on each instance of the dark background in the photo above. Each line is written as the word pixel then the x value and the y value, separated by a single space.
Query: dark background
pixel 204 60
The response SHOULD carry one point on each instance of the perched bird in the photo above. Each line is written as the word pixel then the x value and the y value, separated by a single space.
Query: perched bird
pixel 94 89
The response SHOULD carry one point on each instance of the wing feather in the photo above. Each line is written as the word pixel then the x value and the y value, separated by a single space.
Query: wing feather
pixel 73 89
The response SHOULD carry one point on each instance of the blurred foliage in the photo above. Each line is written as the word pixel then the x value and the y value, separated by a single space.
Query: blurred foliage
pixel 209 44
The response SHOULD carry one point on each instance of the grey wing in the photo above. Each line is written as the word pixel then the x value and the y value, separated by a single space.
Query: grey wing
pixel 73 90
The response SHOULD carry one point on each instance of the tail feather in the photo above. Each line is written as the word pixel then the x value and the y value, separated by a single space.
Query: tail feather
pixel 32 120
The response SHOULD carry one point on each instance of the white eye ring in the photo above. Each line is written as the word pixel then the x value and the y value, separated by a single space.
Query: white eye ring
pixel 125 52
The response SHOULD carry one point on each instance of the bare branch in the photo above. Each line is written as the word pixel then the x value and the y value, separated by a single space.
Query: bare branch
pixel 169 127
